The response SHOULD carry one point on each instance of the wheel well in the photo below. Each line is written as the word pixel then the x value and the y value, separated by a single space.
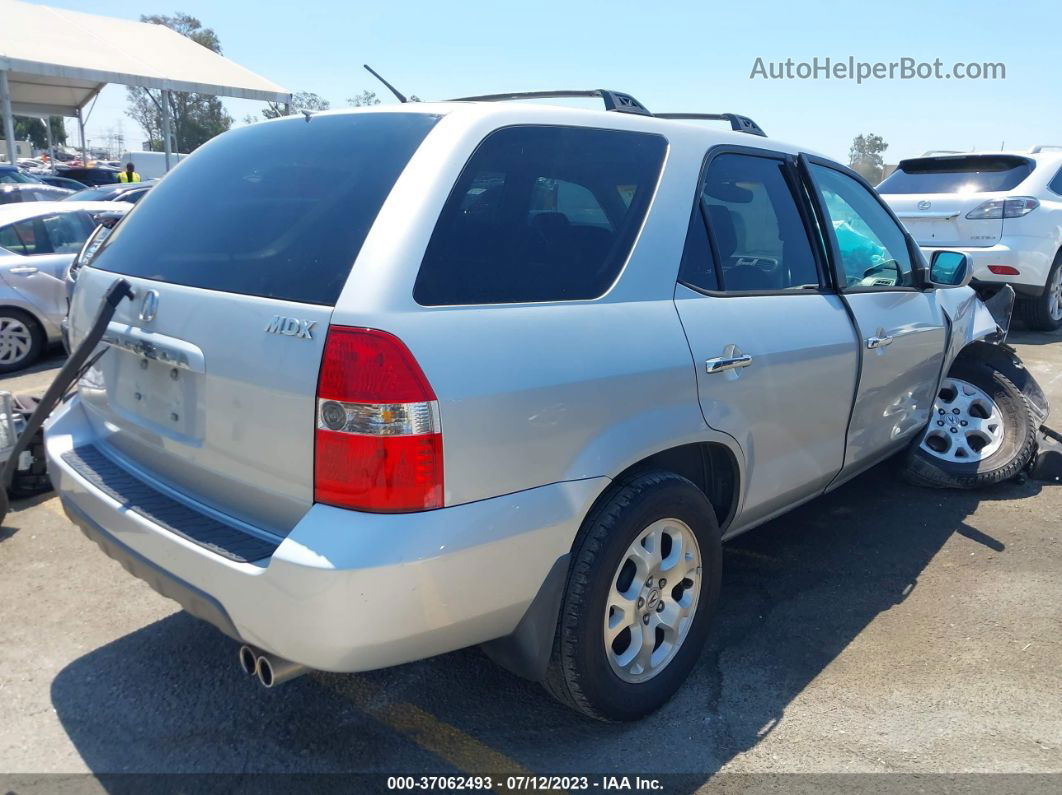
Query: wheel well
pixel 709 466
pixel 23 311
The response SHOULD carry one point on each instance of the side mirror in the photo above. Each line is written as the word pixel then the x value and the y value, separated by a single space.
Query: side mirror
pixel 949 269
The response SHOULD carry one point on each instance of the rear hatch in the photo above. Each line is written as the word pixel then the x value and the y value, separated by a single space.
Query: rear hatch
pixel 934 196
pixel 237 259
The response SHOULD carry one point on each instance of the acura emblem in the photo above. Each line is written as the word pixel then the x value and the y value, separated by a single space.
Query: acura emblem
pixel 924 205
pixel 149 306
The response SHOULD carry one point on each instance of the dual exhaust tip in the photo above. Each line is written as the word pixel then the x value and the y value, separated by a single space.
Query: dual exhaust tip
pixel 269 669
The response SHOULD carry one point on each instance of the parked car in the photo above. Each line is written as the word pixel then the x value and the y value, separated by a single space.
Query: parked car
pixel 1002 209
pixel 37 242
pixel 60 182
pixel 16 192
pixel 13 175
pixel 121 192
pixel 509 377
pixel 93 175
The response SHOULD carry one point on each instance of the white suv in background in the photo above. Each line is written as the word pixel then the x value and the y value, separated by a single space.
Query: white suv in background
pixel 1002 209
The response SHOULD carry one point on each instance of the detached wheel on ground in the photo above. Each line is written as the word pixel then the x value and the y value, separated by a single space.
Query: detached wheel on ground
pixel 22 340
pixel 1044 313
pixel 982 431
pixel 643 584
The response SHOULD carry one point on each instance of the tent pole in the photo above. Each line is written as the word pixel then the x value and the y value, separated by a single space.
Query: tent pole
pixel 81 134
pixel 167 147
pixel 9 119
pixel 51 143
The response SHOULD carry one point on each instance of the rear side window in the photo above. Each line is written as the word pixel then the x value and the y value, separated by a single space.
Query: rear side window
pixel 976 174
pixel 278 209
pixel 1056 183
pixel 758 237
pixel 541 214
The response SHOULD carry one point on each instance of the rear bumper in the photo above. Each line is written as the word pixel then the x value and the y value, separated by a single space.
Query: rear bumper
pixel 344 591
pixel 1029 257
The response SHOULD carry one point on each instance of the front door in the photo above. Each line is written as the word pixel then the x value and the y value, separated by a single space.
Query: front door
pixel 901 327
pixel 774 347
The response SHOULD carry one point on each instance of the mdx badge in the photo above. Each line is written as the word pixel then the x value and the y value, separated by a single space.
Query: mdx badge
pixel 291 327
pixel 149 306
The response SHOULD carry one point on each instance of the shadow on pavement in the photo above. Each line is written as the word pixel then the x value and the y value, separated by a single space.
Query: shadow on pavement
pixel 170 698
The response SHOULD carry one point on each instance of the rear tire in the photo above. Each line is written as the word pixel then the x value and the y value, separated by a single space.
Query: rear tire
pixel 1044 312
pixel 996 442
pixel 22 340
pixel 656 526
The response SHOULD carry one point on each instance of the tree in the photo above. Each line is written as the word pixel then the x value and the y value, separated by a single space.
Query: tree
pixel 35 131
pixel 195 118
pixel 300 100
pixel 364 99
pixel 865 157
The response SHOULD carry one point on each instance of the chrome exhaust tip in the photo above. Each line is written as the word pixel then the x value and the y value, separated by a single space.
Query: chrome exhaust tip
pixel 248 660
pixel 273 670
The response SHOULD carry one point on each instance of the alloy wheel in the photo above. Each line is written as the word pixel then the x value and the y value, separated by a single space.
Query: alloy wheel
pixel 652 600
pixel 16 340
pixel 1054 295
pixel 966 427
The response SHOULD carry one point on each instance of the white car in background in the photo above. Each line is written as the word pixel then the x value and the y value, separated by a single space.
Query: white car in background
pixel 38 241
pixel 1002 209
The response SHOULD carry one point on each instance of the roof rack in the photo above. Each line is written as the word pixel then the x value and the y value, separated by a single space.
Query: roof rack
pixel 737 123
pixel 621 102
pixel 614 100
pixel 1038 149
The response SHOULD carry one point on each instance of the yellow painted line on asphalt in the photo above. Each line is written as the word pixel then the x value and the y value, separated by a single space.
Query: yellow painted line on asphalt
pixel 445 741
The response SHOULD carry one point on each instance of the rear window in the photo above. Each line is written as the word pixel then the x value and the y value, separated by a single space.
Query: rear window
pixel 277 209
pixel 541 214
pixel 981 174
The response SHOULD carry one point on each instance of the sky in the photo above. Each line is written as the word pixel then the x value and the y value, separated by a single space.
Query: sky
pixel 672 56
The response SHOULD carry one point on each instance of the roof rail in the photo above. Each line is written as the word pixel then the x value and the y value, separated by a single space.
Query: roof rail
pixel 614 100
pixel 1041 147
pixel 620 102
pixel 737 123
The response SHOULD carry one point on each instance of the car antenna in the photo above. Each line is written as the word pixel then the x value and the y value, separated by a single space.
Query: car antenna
pixel 390 87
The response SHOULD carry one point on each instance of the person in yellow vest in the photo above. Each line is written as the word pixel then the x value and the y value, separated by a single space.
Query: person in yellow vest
pixel 129 175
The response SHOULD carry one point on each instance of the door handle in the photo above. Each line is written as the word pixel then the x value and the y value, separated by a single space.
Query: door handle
pixel 22 270
pixel 721 364
pixel 878 342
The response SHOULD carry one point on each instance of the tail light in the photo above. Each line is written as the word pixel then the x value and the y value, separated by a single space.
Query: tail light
pixel 378 438
pixel 1014 207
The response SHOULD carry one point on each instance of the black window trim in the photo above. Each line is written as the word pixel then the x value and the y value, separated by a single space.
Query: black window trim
pixel 826 277
pixel 630 253
pixel 833 251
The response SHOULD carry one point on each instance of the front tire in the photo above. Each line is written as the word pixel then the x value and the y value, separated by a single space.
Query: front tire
pixel 625 643
pixel 1044 313
pixel 982 431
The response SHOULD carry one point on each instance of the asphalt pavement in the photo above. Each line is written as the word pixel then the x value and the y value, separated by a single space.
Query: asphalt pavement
pixel 882 628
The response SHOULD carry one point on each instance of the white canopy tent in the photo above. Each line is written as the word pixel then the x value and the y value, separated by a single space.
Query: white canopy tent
pixel 55 62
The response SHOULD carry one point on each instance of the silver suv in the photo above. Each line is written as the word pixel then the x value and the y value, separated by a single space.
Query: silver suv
pixel 508 376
